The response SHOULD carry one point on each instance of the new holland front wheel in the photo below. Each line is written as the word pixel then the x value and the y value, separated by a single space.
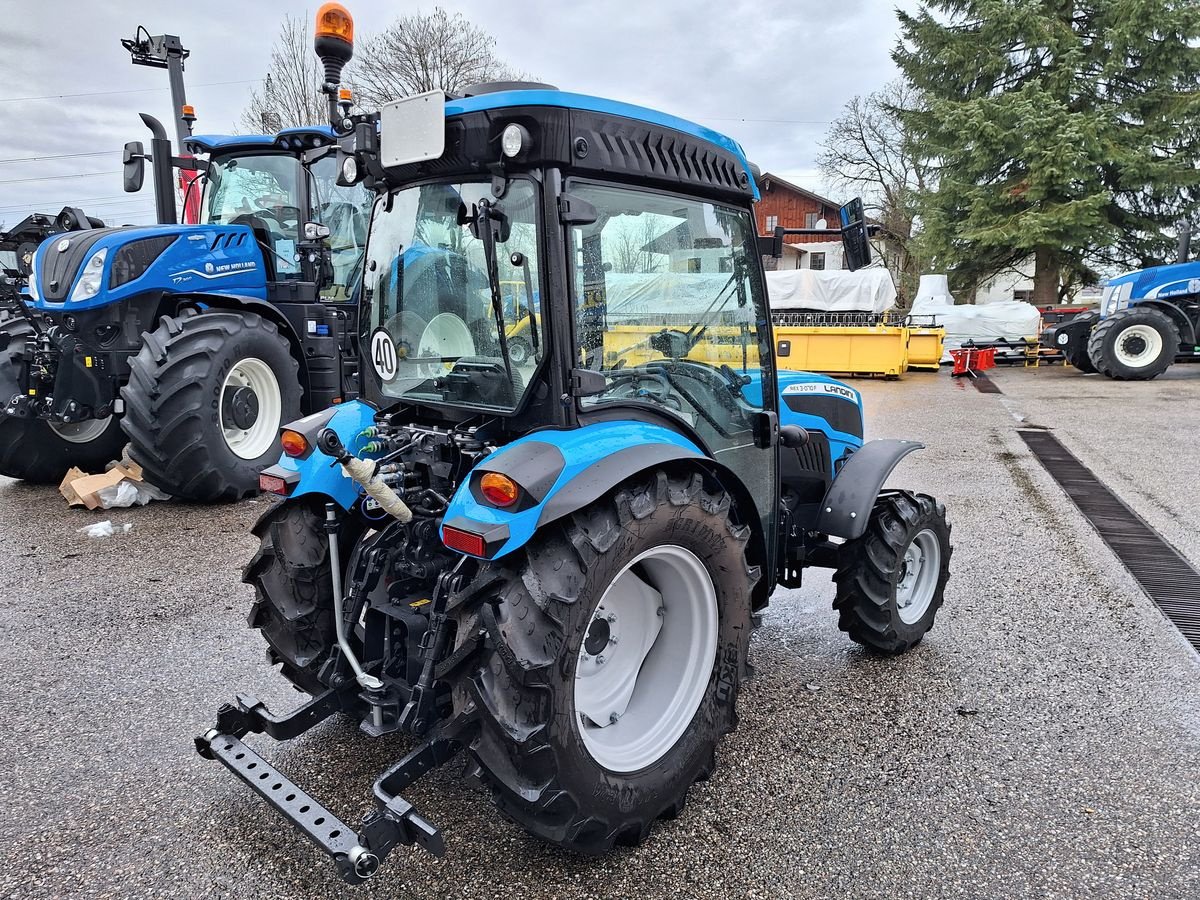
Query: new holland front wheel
pixel 1134 344
pixel 205 400
pixel 891 581
pixel 613 651
pixel 41 451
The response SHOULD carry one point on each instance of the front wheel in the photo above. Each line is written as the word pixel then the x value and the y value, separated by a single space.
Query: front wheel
pixel 41 451
pixel 613 651
pixel 891 581
pixel 1134 344
pixel 206 397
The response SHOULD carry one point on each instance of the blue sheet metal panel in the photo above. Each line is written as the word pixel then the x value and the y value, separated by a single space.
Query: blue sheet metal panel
pixel 319 474
pixel 581 448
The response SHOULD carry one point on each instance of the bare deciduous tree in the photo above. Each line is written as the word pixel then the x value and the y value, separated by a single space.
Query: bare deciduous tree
pixel 422 52
pixel 868 150
pixel 291 93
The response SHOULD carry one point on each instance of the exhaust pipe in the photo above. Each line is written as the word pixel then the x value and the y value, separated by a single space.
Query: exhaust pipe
pixel 1185 242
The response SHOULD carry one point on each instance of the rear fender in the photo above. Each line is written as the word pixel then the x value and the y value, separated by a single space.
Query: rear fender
pixel 560 472
pixel 1187 330
pixel 317 474
pixel 846 508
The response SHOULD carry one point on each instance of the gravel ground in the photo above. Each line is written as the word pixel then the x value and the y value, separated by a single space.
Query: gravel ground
pixel 1043 741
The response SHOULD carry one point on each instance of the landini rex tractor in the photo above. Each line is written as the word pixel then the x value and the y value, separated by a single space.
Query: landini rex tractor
pixel 194 343
pixel 554 567
pixel 1147 320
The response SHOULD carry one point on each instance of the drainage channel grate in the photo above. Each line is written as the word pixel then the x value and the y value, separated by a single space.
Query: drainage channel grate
pixel 1169 579
pixel 985 385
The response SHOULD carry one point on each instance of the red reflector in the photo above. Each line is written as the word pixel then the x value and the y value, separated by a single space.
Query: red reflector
pixel 463 541
pixel 271 484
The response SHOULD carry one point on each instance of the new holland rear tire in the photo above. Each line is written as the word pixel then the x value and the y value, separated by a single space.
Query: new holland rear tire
pixel 891 581
pixel 205 400
pixel 597 714
pixel 293 593
pixel 1134 344
pixel 34 449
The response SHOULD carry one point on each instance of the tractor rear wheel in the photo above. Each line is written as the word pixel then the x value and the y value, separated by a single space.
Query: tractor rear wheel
pixel 293 591
pixel 1134 344
pixel 613 647
pixel 890 582
pixel 206 397
pixel 40 451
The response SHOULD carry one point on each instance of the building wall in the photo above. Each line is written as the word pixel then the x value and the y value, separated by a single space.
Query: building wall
pixel 792 209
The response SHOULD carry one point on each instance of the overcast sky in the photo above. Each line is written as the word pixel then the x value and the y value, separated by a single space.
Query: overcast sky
pixel 770 74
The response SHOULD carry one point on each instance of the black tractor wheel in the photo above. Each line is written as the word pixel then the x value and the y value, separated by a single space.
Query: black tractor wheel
pixel 293 590
pixel 891 581
pixel 613 647
pixel 1076 353
pixel 1134 344
pixel 39 451
pixel 519 351
pixel 206 397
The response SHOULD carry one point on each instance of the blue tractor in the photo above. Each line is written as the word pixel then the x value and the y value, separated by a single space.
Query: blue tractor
pixel 1147 320
pixel 554 566
pixel 191 343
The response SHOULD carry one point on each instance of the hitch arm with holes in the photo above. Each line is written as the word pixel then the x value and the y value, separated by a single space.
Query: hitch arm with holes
pixel 357 854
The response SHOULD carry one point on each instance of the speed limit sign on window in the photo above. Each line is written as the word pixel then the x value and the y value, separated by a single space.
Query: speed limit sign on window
pixel 383 354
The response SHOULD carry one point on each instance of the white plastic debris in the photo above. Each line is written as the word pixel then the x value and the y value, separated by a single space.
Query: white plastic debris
pixel 104 529
pixel 127 493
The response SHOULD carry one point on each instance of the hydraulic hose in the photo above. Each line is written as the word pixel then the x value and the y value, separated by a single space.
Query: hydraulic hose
pixel 364 472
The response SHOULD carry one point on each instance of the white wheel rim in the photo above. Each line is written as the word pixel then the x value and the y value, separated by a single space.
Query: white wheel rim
pixel 250 438
pixel 1137 346
pixel 919 572
pixel 637 694
pixel 518 352
pixel 446 335
pixel 80 432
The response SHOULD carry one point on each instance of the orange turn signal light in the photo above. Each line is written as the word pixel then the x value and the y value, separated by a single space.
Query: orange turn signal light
pixel 294 443
pixel 335 21
pixel 498 489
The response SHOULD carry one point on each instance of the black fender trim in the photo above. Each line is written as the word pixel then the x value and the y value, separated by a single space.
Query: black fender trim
pixel 1187 330
pixel 846 508
pixel 237 302
pixel 605 474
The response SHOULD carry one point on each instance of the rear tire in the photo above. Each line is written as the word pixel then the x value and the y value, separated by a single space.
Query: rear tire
pixel 293 591
pixel 889 589
pixel 32 450
pixel 1134 344
pixel 180 411
pixel 538 614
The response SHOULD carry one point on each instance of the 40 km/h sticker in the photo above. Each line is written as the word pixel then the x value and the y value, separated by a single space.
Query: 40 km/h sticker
pixel 383 354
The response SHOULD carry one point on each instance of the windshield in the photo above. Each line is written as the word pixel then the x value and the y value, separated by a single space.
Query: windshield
pixel 670 309
pixel 264 193
pixel 440 318
pixel 344 210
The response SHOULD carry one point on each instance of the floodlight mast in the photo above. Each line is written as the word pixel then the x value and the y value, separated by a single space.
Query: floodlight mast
pixel 165 51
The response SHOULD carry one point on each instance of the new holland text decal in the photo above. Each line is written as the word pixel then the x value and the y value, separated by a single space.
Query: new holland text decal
pixel 213 270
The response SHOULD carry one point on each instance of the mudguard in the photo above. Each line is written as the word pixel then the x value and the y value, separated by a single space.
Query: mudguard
pixel 316 473
pixel 560 472
pixel 846 508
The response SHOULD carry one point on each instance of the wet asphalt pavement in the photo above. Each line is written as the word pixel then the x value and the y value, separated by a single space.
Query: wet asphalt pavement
pixel 1043 741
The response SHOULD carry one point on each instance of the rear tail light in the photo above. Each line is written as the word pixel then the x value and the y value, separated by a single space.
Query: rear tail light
pixel 271 484
pixel 463 541
pixel 499 490
pixel 294 444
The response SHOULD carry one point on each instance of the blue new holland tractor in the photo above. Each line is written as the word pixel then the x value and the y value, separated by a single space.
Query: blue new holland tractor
pixel 193 343
pixel 1147 320
pixel 553 566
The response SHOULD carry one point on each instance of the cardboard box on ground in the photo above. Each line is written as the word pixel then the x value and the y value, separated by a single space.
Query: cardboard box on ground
pixel 120 486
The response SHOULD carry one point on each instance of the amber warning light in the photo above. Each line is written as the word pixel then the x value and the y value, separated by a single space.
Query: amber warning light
pixel 334 21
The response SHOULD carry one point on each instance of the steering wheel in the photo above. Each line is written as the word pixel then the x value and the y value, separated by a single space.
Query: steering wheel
pixel 626 383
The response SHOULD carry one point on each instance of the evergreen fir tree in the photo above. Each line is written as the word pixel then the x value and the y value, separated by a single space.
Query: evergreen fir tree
pixel 1067 131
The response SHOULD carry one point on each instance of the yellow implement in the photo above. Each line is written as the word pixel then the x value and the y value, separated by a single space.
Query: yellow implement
pixel 843 350
pixel 925 347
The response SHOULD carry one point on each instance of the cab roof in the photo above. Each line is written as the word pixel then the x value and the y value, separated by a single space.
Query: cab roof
pixel 306 137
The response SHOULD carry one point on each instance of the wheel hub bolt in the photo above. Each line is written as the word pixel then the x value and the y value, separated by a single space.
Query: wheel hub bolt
pixel 612 617
pixel 613 718
pixel 600 660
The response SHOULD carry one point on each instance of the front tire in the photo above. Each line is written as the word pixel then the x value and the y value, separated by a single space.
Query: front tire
pixel 206 397
pixel 1134 344
pixel 548 645
pixel 37 451
pixel 891 581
